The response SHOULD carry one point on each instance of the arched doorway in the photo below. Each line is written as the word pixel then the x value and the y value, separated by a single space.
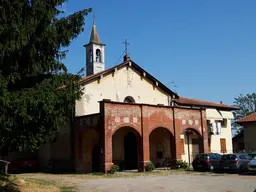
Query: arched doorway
pixel 125 148
pixel 130 151
pixel 96 158
pixel 162 146
pixel 193 144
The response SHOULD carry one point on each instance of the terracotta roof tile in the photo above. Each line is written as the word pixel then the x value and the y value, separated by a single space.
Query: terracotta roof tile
pixel 196 102
pixel 249 118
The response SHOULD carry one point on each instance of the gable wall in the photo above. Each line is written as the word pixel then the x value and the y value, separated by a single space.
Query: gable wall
pixel 124 82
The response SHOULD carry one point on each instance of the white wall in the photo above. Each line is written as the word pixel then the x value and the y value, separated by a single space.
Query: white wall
pixel 122 83
pixel 226 133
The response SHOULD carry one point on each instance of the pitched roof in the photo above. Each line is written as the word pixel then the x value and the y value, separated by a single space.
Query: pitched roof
pixel 249 118
pixel 93 77
pixel 94 35
pixel 179 100
pixel 200 103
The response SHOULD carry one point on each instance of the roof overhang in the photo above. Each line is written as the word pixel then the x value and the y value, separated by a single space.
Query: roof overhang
pixel 213 114
pixel 227 115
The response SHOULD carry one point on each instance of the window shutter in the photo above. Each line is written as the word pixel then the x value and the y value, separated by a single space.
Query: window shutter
pixel 223 148
pixel 182 146
pixel 214 128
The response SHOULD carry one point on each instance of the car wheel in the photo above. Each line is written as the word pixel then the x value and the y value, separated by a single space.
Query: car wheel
pixel 241 171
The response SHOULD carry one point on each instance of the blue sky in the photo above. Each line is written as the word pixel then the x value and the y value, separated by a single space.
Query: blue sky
pixel 207 47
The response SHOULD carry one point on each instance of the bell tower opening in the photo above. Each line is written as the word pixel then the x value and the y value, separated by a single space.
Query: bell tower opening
pixel 95 53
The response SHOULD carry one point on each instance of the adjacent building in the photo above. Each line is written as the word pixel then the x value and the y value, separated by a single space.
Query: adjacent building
pixel 248 124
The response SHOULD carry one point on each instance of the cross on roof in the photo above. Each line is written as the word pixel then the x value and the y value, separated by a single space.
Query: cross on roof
pixel 126 46
pixel 94 17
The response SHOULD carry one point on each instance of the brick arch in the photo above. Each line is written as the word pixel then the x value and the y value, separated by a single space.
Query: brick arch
pixel 126 125
pixel 193 130
pixel 119 148
pixel 159 137
pixel 170 129
pixel 193 145
pixel 196 130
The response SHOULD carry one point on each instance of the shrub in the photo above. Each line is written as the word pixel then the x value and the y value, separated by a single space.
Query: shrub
pixel 180 164
pixel 149 167
pixel 114 169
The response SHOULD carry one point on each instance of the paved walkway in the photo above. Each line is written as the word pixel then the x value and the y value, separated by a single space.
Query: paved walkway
pixel 174 183
pixel 171 183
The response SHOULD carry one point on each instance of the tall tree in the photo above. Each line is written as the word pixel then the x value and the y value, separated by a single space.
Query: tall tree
pixel 247 105
pixel 33 101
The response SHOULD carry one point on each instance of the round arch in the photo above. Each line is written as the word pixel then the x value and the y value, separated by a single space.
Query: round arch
pixel 162 146
pixel 193 144
pixel 126 148
pixel 98 56
pixel 129 99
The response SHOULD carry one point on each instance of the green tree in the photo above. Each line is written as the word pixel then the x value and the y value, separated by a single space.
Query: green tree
pixel 247 105
pixel 33 100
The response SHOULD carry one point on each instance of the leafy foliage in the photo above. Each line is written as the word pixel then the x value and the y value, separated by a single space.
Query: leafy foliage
pixel 33 101
pixel 114 169
pixel 247 105
pixel 149 167
pixel 180 164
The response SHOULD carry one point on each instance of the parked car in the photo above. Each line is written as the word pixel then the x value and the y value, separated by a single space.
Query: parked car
pixel 234 162
pixel 252 166
pixel 20 165
pixel 206 161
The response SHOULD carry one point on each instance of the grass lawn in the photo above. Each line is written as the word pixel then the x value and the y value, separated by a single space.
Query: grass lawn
pixel 15 184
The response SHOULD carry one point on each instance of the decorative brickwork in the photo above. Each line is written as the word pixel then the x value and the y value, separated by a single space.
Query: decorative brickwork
pixel 118 119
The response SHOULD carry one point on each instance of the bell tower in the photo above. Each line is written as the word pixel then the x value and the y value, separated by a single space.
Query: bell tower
pixel 95 53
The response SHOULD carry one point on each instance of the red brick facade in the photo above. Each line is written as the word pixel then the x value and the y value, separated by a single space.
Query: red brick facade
pixel 143 120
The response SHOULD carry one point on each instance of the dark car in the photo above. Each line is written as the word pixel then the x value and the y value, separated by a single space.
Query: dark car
pixel 21 165
pixel 236 162
pixel 206 161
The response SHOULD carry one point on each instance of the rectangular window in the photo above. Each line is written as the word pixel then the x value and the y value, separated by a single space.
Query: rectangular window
pixel 223 148
pixel 224 123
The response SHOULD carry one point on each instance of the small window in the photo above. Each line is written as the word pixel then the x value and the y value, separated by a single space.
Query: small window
pixel 129 99
pixel 98 56
pixel 90 56
pixel 224 123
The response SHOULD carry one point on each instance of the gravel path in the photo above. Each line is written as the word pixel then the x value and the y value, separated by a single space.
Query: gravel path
pixel 174 183
pixel 170 183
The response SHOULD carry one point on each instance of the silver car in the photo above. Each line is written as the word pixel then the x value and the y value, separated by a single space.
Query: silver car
pixel 252 165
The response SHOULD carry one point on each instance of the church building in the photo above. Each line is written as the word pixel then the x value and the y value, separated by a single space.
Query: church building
pixel 128 117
